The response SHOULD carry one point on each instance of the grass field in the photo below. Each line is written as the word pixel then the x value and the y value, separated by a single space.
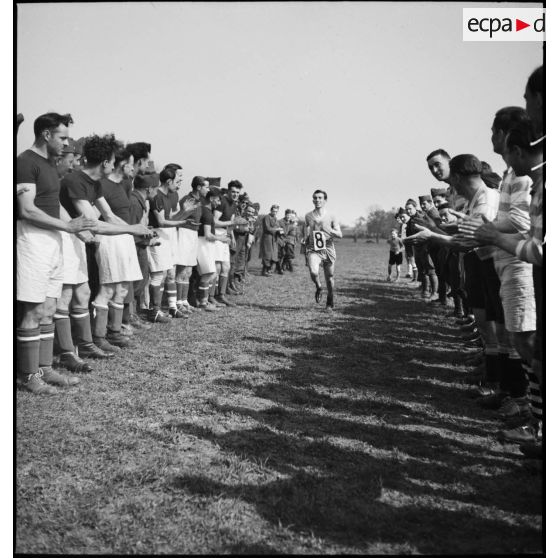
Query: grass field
pixel 275 428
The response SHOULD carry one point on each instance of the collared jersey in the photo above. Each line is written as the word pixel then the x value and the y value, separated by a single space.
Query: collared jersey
pixel 196 216
pixel 34 169
pixel 162 202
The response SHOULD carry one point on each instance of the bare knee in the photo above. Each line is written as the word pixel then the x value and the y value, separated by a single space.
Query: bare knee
pixel 81 295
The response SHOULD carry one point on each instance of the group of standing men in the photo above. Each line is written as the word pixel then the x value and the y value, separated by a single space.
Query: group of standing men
pixel 101 237
pixel 482 239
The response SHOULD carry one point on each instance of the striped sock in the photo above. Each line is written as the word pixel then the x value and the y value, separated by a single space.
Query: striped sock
pixel 46 345
pixel 534 392
pixel 28 343
pixel 171 293
pixel 100 320
pixel 114 318
pixel 80 320
pixel 63 331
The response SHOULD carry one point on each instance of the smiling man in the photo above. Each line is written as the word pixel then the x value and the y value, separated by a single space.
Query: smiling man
pixel 40 271
pixel 320 228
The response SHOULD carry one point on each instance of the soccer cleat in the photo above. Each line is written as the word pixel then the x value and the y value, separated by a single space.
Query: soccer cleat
pixel 104 345
pixel 318 295
pixel 212 300
pixel 223 300
pixel 492 401
pixel 514 407
pixel 51 376
pixel 176 313
pixel 137 323
pixel 526 433
pixel 158 317
pixel 208 308
pixel 90 350
pixel 127 330
pixel 71 362
pixel 35 384
pixel 118 340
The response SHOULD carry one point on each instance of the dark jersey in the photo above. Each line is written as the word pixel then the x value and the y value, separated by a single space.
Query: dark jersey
pixel 138 207
pixel 206 219
pixel 162 202
pixel 78 186
pixel 34 169
pixel 227 208
pixel 117 199
pixel 196 216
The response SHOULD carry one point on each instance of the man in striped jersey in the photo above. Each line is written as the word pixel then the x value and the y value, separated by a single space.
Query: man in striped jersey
pixel 526 156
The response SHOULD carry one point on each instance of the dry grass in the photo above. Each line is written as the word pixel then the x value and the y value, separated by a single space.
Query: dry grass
pixel 276 428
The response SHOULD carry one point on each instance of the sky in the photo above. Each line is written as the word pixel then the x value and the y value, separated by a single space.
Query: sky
pixel 286 97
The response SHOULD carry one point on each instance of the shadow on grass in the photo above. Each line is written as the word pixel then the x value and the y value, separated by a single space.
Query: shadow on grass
pixel 368 451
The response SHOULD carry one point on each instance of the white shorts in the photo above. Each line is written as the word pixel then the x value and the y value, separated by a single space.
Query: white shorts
pixel 117 259
pixel 75 260
pixel 206 256
pixel 160 257
pixel 40 265
pixel 222 252
pixel 172 233
pixel 518 295
pixel 187 247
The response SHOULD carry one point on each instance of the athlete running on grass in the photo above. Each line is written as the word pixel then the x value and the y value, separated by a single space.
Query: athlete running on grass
pixel 320 228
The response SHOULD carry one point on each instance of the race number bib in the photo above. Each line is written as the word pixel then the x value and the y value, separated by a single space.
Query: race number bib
pixel 319 240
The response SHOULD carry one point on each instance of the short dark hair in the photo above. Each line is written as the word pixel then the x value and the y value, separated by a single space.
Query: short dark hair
pixel 536 82
pixel 506 117
pixel 168 173
pixel 121 154
pixel 49 121
pixel 235 184
pixel 174 166
pixel 198 181
pixel 523 135
pixel 97 149
pixel 320 192
pixel 441 152
pixel 139 149
pixel 466 165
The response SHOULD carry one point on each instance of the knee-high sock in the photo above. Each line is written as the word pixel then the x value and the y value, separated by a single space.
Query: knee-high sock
pixel 126 313
pixel 114 321
pixel 100 321
pixel 46 346
pixel 80 321
pixel 203 293
pixel 212 285
pixel 181 292
pixel 171 293
pixel 155 294
pixel 223 281
pixel 534 392
pixel 28 344
pixel 63 331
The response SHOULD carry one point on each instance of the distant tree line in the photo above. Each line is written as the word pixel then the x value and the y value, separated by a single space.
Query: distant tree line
pixel 377 224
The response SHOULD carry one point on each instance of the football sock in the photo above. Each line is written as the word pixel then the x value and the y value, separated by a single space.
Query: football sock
pixel 28 343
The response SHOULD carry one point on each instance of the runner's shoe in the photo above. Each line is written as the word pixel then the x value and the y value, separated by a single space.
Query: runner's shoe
pixel 329 302
pixel 318 295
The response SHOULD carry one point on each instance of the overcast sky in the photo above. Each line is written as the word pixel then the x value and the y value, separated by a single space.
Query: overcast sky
pixel 285 97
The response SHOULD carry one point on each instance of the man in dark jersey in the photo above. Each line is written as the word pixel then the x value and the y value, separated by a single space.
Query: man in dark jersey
pixel 39 253
pixel 81 192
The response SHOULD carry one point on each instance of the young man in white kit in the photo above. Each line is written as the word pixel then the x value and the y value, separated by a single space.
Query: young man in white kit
pixel 320 228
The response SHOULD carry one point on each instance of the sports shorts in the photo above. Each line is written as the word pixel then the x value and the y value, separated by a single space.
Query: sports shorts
pixel 518 295
pixel 117 259
pixel 395 259
pixel 39 263
pixel 206 256
pixel 325 256
pixel 186 247
pixel 75 260
pixel 160 257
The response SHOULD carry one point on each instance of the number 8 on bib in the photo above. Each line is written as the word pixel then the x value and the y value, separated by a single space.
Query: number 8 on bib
pixel 319 240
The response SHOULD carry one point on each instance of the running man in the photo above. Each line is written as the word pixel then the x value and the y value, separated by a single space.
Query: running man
pixel 320 228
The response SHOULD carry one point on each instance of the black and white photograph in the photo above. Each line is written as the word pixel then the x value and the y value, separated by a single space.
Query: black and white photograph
pixel 279 278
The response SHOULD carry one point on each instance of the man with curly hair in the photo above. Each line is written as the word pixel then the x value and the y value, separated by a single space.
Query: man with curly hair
pixel 82 193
